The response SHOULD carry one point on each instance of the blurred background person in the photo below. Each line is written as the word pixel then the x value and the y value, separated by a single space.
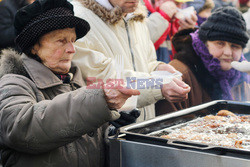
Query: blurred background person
pixel 224 3
pixel 246 16
pixel 169 9
pixel 244 5
pixel 203 9
pixel 8 9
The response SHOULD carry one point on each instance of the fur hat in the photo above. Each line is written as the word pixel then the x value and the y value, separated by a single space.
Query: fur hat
pixel 43 16
pixel 225 24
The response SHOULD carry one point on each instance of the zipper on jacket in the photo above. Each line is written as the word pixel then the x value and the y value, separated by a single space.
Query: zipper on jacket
pixel 133 59
pixel 129 42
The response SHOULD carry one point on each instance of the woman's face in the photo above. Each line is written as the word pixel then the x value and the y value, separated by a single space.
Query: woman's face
pixel 225 52
pixel 56 49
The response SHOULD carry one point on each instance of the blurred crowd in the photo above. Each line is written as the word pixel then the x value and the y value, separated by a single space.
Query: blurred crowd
pixel 72 72
pixel 168 8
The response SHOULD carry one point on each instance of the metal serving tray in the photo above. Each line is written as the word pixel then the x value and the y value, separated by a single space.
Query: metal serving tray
pixel 142 132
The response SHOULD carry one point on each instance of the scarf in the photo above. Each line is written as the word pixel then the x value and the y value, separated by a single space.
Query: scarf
pixel 65 78
pixel 200 20
pixel 226 79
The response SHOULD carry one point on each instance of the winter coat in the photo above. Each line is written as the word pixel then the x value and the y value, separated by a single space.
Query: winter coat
pixel 204 87
pixel 8 9
pixel 112 35
pixel 45 122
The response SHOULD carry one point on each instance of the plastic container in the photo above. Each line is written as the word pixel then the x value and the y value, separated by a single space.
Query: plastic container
pixel 165 76
pixel 185 13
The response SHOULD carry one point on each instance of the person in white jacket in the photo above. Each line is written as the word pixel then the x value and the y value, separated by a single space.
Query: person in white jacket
pixel 118 28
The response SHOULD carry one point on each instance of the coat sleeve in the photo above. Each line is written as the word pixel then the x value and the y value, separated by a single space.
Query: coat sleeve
pixel 157 25
pixel 31 125
pixel 196 96
pixel 96 64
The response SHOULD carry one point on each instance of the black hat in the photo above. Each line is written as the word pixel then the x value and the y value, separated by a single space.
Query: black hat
pixel 43 16
pixel 225 24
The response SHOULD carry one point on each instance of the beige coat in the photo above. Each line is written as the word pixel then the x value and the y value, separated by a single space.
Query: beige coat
pixel 111 35
pixel 43 122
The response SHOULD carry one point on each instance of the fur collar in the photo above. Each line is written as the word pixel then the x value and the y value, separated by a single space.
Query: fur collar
pixel 115 15
pixel 11 63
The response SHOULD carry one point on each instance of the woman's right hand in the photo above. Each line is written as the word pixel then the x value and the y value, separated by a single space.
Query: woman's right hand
pixel 169 8
pixel 116 98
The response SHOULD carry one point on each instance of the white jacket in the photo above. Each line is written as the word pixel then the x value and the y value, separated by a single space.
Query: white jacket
pixel 111 35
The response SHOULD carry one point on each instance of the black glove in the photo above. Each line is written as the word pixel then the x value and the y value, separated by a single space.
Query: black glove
pixel 126 118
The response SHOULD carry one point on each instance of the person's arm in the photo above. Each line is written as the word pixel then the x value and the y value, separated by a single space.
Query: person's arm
pixel 156 22
pixel 157 25
pixel 174 91
pixel 33 125
pixel 188 22
pixel 95 64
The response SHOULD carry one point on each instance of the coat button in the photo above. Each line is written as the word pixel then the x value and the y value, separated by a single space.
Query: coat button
pixel 91 134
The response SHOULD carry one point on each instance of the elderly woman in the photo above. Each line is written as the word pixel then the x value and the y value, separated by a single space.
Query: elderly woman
pixel 204 57
pixel 47 117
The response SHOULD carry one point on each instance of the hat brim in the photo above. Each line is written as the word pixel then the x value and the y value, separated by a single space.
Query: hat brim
pixel 31 34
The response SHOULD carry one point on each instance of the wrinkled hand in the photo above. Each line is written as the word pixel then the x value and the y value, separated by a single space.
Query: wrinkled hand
pixel 175 91
pixel 243 66
pixel 166 67
pixel 169 8
pixel 117 97
pixel 188 22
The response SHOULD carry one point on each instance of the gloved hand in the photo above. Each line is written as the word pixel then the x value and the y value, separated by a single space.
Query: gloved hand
pixel 243 66
pixel 126 118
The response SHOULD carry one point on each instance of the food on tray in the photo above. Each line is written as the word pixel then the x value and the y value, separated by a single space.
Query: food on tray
pixel 225 113
pixel 224 129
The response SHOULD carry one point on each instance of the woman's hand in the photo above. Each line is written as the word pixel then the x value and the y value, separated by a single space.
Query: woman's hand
pixel 117 97
pixel 175 91
pixel 188 22
pixel 165 67
pixel 169 8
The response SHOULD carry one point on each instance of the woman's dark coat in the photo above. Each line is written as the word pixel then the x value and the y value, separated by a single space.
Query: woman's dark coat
pixel 45 122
